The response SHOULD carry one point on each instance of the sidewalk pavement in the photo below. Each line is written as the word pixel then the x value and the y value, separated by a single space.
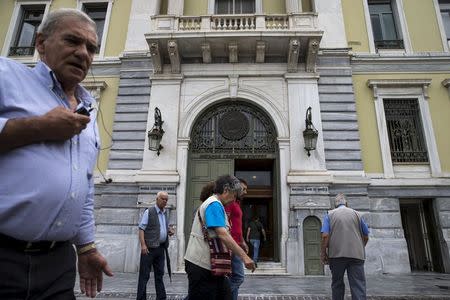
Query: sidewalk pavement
pixel 417 286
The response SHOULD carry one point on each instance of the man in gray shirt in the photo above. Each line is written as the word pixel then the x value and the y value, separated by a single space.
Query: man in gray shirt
pixel 344 237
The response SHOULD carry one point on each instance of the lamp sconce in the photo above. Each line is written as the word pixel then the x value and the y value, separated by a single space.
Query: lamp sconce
pixel 155 135
pixel 310 134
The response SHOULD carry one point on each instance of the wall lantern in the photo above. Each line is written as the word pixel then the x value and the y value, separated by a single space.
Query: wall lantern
pixel 155 135
pixel 310 133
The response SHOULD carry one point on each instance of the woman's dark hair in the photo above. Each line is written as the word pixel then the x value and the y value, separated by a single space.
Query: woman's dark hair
pixel 227 183
pixel 207 190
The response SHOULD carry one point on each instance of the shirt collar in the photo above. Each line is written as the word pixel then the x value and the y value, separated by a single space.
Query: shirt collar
pixel 49 78
pixel 158 210
pixel 340 205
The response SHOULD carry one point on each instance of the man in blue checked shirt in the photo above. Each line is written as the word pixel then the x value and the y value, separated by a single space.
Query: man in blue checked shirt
pixel 47 157
pixel 344 237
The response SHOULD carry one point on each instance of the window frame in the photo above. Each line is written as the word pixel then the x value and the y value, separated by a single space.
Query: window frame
pixel 405 89
pixel 212 7
pixel 233 9
pixel 14 26
pixel 445 41
pixel 400 23
pixel 104 37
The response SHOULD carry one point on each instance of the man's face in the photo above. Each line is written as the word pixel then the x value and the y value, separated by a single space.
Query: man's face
pixel 244 189
pixel 69 50
pixel 161 201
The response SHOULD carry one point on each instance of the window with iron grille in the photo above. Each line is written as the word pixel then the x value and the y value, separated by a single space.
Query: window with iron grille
pixel 224 7
pixel 97 12
pixel 30 19
pixel 234 127
pixel 405 131
pixel 384 27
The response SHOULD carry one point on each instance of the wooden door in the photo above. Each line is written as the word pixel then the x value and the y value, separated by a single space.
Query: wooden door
pixel 201 171
pixel 311 244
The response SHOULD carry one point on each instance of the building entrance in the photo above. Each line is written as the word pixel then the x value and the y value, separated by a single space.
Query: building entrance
pixel 237 138
pixel 420 228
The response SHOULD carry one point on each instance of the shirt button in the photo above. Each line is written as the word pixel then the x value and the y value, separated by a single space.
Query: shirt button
pixel 59 223
pixel 75 142
pixel 72 195
pixel 75 167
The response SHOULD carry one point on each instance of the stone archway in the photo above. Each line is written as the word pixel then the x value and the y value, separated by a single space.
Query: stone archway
pixel 237 137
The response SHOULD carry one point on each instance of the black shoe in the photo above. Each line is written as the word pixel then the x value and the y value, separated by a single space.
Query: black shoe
pixel 256 265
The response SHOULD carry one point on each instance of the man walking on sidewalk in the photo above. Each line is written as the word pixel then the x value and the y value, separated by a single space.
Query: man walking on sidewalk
pixel 344 235
pixel 154 235
pixel 234 213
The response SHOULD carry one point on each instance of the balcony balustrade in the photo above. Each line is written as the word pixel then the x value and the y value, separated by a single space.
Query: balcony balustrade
pixel 238 38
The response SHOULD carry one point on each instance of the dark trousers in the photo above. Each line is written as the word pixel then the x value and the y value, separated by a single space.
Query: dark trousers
pixel 32 276
pixel 154 258
pixel 355 274
pixel 204 286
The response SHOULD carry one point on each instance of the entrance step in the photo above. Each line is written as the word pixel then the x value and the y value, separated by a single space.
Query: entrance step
pixel 268 268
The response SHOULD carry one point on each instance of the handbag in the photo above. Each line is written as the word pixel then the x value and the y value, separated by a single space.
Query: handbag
pixel 220 254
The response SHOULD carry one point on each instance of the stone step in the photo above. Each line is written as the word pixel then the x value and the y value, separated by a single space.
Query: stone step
pixel 268 268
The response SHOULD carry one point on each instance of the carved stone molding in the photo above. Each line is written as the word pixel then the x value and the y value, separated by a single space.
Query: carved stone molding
pixel 377 84
pixel 260 51
pixel 446 83
pixel 233 52
pixel 311 56
pixel 206 53
pixel 156 57
pixel 294 51
pixel 94 87
pixel 174 55
pixel 234 84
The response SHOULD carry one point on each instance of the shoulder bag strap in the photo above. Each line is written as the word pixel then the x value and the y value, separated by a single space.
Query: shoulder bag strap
pixel 204 230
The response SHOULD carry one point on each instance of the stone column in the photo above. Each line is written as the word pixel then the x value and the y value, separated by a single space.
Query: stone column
pixel 293 6
pixel 139 24
pixel 175 7
pixel 166 96
pixel 284 152
pixel 182 161
pixel 303 93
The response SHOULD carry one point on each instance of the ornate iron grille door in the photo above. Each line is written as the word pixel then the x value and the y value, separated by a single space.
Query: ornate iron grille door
pixel 235 128
pixel 405 131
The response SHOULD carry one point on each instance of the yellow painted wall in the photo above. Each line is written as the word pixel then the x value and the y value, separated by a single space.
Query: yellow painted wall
pixel 118 27
pixel 355 25
pixel 195 7
pixel 422 25
pixel 63 4
pixel 274 7
pixel 6 10
pixel 107 108
pixel 439 104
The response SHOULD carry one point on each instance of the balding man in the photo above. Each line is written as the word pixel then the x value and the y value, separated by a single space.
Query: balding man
pixel 154 235
pixel 48 147
pixel 344 235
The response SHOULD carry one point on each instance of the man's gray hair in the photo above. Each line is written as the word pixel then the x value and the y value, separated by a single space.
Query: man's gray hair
pixel 340 199
pixel 55 17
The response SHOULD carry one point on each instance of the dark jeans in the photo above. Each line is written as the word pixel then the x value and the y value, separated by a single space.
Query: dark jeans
pixel 32 276
pixel 355 274
pixel 155 258
pixel 204 286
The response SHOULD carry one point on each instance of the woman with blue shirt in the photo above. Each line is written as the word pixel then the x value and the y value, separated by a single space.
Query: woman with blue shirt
pixel 202 284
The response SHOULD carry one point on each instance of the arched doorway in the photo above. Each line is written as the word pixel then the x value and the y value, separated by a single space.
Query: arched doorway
pixel 311 243
pixel 235 137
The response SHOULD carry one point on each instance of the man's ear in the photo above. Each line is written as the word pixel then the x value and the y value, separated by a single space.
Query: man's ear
pixel 40 47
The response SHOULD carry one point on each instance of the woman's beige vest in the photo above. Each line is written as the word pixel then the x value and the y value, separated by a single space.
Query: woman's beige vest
pixel 197 251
